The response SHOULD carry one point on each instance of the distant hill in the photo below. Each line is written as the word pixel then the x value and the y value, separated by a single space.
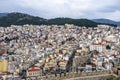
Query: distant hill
pixel 78 22
pixel 3 14
pixel 106 21
pixel 21 19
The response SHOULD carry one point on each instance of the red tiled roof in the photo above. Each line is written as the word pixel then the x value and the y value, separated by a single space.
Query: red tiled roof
pixel 2 46
pixel 34 68
pixel 6 73
pixel 98 44
pixel 2 51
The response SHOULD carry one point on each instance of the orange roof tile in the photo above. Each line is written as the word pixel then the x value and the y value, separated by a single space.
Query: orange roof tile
pixel 34 68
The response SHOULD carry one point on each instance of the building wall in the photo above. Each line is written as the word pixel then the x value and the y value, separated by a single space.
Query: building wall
pixel 77 74
pixel 97 47
pixel 0 66
pixel 3 65
pixel 34 73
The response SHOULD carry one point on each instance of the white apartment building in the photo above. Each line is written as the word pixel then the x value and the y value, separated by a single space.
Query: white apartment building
pixel 98 47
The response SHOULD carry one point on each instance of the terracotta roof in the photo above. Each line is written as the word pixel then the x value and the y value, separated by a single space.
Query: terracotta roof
pixel 6 73
pixel 98 44
pixel 2 46
pixel 2 51
pixel 34 68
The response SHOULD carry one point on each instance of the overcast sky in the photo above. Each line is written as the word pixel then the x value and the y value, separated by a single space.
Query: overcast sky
pixel 90 9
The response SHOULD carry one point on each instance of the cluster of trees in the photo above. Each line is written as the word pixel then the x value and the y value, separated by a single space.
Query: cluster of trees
pixel 21 19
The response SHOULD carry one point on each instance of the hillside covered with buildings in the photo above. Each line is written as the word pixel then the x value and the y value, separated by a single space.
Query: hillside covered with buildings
pixel 58 51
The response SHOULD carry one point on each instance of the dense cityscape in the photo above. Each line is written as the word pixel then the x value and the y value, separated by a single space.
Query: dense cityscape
pixel 32 52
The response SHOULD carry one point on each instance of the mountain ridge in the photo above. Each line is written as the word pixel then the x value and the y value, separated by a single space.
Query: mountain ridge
pixel 108 21
pixel 22 19
pixel 3 14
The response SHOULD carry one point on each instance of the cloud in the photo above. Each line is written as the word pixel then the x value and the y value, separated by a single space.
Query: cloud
pixel 64 8
pixel 113 15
